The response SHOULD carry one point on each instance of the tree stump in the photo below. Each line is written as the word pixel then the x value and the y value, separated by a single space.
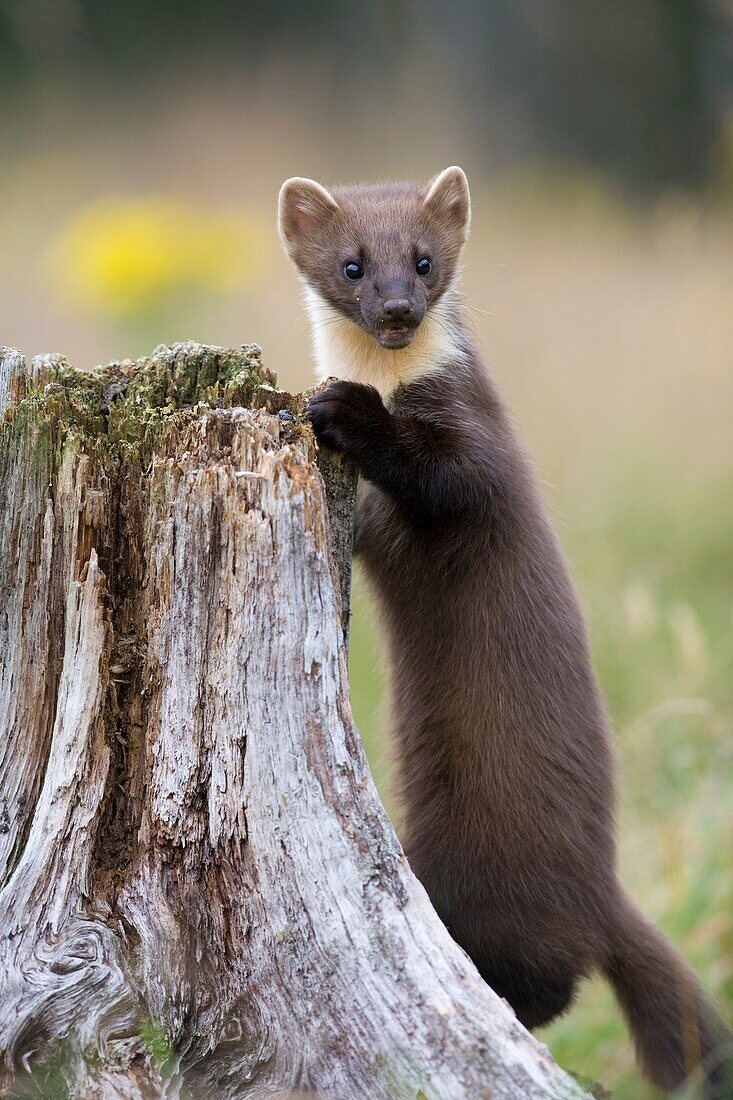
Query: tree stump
pixel 201 895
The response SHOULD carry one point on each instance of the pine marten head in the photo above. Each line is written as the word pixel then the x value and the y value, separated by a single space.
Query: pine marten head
pixel 380 255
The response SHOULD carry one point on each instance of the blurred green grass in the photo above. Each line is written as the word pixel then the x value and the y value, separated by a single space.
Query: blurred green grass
pixel 653 561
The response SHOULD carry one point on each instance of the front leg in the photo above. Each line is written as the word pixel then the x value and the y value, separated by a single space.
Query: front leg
pixel 351 418
pixel 430 470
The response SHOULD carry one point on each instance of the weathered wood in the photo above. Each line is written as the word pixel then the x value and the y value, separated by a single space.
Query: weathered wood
pixel 201 893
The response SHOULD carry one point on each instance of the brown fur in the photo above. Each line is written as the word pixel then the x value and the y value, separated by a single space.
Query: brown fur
pixel 505 755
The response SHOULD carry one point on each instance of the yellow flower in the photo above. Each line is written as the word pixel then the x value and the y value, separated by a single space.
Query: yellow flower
pixel 123 256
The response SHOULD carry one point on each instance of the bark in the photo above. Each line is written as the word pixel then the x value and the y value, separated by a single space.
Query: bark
pixel 201 895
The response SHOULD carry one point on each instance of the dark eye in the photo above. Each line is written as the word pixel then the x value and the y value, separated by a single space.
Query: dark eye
pixel 353 271
pixel 423 267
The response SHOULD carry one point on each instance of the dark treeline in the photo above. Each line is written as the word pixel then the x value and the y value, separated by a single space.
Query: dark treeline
pixel 636 89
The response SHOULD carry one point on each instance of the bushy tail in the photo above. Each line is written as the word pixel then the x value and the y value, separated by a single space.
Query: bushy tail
pixel 677 1032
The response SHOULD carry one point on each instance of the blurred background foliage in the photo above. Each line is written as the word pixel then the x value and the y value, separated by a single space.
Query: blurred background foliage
pixel 142 148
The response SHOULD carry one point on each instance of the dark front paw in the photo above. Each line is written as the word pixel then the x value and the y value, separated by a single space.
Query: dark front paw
pixel 347 416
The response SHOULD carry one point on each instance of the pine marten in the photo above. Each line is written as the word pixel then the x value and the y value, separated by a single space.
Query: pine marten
pixel 506 764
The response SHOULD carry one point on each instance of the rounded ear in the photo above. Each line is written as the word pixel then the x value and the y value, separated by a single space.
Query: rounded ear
pixel 448 200
pixel 303 208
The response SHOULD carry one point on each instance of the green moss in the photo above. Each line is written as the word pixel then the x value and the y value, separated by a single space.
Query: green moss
pixel 18 445
pixel 131 404
pixel 156 1042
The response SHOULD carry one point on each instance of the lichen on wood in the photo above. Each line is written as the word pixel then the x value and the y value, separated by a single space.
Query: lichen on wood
pixel 200 893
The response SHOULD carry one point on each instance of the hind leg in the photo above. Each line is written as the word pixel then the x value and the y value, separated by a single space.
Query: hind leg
pixel 537 996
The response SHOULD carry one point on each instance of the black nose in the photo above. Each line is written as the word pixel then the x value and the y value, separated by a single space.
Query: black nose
pixel 397 309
